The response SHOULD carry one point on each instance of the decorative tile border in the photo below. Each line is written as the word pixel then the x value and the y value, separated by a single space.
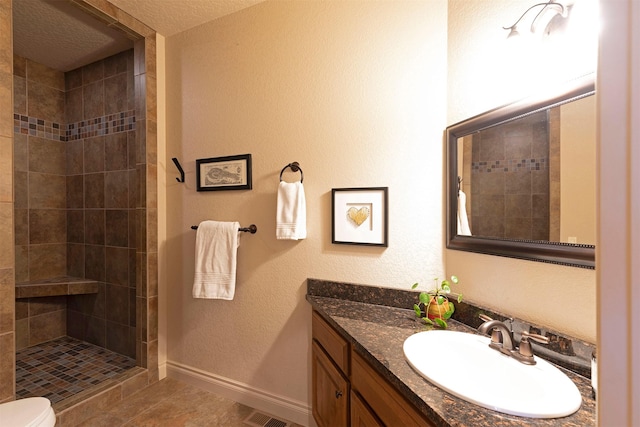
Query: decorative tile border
pixel 512 165
pixel 112 123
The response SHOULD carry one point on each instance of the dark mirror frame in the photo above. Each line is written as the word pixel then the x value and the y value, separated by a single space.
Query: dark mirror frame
pixel 574 255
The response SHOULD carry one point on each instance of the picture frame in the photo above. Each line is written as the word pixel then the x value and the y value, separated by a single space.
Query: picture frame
pixel 224 173
pixel 359 216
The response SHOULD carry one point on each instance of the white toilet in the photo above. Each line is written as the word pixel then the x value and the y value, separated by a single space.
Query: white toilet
pixel 29 412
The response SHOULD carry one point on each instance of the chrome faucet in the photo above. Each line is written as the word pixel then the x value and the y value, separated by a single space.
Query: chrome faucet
pixel 502 340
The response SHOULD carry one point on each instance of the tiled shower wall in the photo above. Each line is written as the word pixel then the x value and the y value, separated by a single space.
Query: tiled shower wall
pixel 510 180
pixel 75 140
pixel 7 280
pixel 101 197
pixel 146 206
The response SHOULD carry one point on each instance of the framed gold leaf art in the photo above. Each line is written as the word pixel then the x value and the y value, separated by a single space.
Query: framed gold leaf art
pixel 359 216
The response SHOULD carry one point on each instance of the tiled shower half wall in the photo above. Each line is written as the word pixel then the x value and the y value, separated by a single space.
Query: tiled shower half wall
pixel 76 188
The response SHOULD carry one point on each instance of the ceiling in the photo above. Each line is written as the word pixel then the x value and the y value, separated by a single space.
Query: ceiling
pixel 60 35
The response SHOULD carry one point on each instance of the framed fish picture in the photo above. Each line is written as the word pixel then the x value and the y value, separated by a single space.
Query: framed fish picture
pixel 224 173
pixel 359 216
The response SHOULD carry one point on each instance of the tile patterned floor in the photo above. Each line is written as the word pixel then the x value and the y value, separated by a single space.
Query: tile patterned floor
pixel 171 403
pixel 63 367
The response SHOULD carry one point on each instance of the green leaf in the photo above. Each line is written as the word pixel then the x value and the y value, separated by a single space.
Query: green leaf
pixel 440 299
pixel 424 297
pixel 440 323
pixel 427 321
pixel 459 297
pixel 415 285
pixel 450 311
pixel 416 308
pixel 454 279
pixel 445 287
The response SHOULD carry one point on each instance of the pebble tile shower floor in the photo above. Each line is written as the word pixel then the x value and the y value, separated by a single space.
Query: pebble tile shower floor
pixel 63 367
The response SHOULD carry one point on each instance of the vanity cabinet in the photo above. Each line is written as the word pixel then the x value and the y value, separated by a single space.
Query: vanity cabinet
pixel 330 373
pixel 347 391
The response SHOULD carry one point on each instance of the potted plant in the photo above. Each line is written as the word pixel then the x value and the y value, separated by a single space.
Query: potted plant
pixel 437 307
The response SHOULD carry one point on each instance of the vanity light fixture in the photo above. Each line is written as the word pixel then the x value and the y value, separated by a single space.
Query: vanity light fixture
pixel 543 20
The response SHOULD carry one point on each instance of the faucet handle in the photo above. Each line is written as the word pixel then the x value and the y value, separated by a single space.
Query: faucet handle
pixel 537 338
pixel 525 352
pixel 484 317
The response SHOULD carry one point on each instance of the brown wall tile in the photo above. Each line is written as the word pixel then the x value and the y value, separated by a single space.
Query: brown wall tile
pixel 6 229
pixel 46 261
pixel 117 228
pixel 7 300
pixel 75 191
pixel 115 90
pixel 19 66
pixel 47 76
pixel 117 266
pixel 20 152
pixel 21 226
pixel 7 366
pixel 22 308
pixel 47 156
pixel 19 95
pixel 22 333
pixel 43 305
pixel 93 100
pixel 116 151
pixel 74 107
pixel 94 190
pixel 116 189
pixel 75 226
pixel 47 327
pixel 45 191
pixel 6 169
pixel 45 102
pixel 94 262
pixel 94 223
pixel 94 154
pixel 22 263
pixel 6 110
pixel 93 72
pixel 47 226
pixel 20 188
pixel 75 260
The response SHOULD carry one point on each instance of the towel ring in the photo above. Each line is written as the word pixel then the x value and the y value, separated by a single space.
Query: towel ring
pixel 295 166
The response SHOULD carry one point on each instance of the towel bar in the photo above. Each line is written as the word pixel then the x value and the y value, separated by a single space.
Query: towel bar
pixel 251 229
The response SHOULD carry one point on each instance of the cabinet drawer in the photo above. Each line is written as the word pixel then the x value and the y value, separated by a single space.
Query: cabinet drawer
pixel 387 403
pixel 336 347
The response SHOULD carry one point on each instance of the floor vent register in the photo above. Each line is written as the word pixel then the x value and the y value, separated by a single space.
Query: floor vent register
pixel 257 419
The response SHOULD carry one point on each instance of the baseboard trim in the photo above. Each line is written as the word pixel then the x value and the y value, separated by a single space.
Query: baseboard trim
pixel 279 406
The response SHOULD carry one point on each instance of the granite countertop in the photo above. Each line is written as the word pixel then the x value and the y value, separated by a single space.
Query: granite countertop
pixel 377 333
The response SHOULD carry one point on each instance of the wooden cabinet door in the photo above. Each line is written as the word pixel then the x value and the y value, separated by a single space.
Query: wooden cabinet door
pixel 361 415
pixel 330 391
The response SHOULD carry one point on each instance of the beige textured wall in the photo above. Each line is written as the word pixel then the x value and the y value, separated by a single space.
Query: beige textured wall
pixel 485 72
pixel 355 92
pixel 578 174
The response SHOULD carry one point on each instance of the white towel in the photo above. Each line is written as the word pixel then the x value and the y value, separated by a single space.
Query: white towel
pixel 463 221
pixel 291 215
pixel 216 249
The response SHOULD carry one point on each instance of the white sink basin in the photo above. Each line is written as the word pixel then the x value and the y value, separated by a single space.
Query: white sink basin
pixel 465 366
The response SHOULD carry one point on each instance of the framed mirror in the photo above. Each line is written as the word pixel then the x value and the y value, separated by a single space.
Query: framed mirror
pixel 521 179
